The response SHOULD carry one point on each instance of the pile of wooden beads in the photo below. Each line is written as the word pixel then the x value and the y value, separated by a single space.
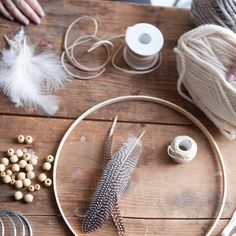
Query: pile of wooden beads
pixel 18 170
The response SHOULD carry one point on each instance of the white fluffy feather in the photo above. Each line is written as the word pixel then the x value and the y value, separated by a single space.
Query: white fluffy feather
pixel 27 78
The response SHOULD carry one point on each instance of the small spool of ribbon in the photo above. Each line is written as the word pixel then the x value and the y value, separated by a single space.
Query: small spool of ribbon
pixel 183 149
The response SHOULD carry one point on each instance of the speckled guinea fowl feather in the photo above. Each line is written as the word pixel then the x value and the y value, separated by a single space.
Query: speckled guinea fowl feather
pixel 113 183
pixel 116 215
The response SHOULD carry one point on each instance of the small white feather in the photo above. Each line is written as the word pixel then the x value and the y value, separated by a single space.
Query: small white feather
pixel 27 78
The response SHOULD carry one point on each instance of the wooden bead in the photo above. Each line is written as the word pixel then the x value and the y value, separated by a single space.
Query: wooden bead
pixel 14 158
pixel 6 179
pixel 3 174
pixel 48 182
pixel 22 163
pixel 28 198
pixel 18 195
pixel 42 177
pixel 20 138
pixel 37 187
pixel 2 167
pixel 5 161
pixel 10 152
pixel 31 188
pixel 50 158
pixel 26 182
pixel 15 168
pixel 26 157
pixel 29 167
pixel 24 150
pixel 21 175
pixel 9 172
pixel 19 183
pixel 19 153
pixel 13 181
pixel 13 176
pixel 47 166
pixel 28 139
pixel 33 161
pixel 30 175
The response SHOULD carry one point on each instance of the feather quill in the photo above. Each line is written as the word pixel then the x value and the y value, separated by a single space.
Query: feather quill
pixel 113 183
pixel 27 78
pixel 116 215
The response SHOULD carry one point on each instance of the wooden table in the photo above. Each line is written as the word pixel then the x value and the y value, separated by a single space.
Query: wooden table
pixel 163 198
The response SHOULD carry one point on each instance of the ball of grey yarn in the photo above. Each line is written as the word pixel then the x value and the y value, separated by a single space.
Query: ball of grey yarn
pixel 218 12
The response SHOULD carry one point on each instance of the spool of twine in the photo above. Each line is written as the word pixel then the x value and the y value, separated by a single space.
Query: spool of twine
pixel 218 12
pixel 206 62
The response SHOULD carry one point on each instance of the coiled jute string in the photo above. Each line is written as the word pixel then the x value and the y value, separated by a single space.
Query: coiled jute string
pixel 139 64
pixel 206 60
pixel 219 12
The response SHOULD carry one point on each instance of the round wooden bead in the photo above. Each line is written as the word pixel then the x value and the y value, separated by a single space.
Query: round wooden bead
pixel 5 161
pixel 2 167
pixel 14 158
pixel 48 182
pixel 19 183
pixel 28 139
pixel 18 195
pixel 37 187
pixel 30 175
pixel 42 177
pixel 3 174
pixel 9 172
pixel 21 175
pixel 50 158
pixel 47 166
pixel 19 153
pixel 20 138
pixel 29 167
pixel 33 161
pixel 10 152
pixel 31 188
pixel 26 157
pixel 13 176
pixel 26 182
pixel 22 163
pixel 6 179
pixel 13 181
pixel 24 150
pixel 28 198
pixel 15 168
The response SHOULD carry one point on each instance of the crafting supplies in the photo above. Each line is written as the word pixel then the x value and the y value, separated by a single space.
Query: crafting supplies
pixel 182 149
pixel 27 79
pixel 205 60
pixel 219 12
pixel 143 43
pixel 168 104
pixel 230 226
pixel 15 218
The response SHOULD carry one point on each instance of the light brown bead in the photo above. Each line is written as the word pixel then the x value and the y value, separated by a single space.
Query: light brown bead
pixel 5 161
pixel 6 179
pixel 9 172
pixel 28 198
pixel 14 158
pixel 10 152
pixel 21 175
pixel 19 183
pixel 42 177
pixel 18 195
pixel 15 168
pixel 26 182
pixel 19 153
pixel 37 187
pixel 13 181
pixel 26 157
pixel 48 182
pixel 22 163
pixel 21 139
pixel 2 167
pixel 50 158
pixel 28 139
pixel 47 166
pixel 3 174
pixel 31 188
pixel 33 161
pixel 29 167
pixel 30 175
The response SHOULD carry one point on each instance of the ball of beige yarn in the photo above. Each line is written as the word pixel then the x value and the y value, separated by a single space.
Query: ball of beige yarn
pixel 206 62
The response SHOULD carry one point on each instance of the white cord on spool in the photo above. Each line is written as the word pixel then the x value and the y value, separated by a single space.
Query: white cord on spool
pixel 183 149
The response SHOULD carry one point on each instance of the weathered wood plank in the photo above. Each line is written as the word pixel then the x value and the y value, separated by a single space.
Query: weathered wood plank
pixel 113 18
